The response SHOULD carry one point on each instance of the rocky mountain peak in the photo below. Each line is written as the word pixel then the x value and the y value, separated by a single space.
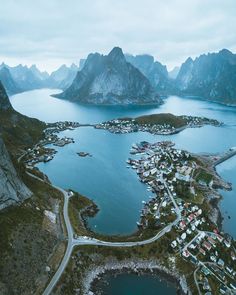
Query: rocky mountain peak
pixel 4 100
pixel 110 79
pixel 116 55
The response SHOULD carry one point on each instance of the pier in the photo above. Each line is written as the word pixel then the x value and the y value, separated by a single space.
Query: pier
pixel 225 156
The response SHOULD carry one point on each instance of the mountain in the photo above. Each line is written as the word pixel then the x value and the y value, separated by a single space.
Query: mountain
pixel 26 78
pixel 63 77
pixel 8 82
pixel 12 189
pixel 37 73
pixel 5 104
pixel 174 73
pixel 18 132
pixel 211 76
pixel 153 70
pixel 81 63
pixel 110 79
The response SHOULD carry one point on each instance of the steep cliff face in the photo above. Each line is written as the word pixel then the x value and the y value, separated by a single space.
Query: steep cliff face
pixel 63 77
pixel 12 189
pixel 153 70
pixel 110 80
pixel 212 76
pixel 8 82
pixel 17 132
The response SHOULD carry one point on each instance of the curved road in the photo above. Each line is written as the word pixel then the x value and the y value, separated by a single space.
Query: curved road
pixel 72 242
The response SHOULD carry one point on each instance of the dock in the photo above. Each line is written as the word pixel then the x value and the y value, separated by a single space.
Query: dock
pixel 225 156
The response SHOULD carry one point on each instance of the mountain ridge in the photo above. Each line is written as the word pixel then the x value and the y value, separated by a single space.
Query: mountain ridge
pixel 110 79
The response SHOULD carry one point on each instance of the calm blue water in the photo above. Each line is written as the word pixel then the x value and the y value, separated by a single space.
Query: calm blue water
pixel 104 177
pixel 228 171
pixel 130 284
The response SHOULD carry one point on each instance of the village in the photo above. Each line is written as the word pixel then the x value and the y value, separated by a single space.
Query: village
pixel 128 125
pixel 171 176
pixel 40 153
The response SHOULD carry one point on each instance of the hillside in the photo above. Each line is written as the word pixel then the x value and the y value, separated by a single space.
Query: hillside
pixel 110 79
pixel 211 76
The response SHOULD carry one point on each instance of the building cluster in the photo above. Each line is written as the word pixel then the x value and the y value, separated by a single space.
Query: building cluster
pixel 132 125
pixel 39 153
pixel 163 168
pixel 160 166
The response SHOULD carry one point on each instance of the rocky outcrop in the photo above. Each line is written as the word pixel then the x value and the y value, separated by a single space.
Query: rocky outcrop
pixel 211 76
pixel 63 77
pixel 174 73
pixel 4 100
pixel 17 132
pixel 110 80
pixel 12 189
pixel 153 70
pixel 8 82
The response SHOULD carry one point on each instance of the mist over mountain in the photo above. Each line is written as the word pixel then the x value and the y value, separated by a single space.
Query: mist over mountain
pixel 211 76
pixel 119 78
pixel 110 79
pixel 9 83
pixel 153 70
pixel 173 73
pixel 63 77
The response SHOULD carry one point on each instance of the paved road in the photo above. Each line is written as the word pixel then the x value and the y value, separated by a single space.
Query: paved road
pixel 72 242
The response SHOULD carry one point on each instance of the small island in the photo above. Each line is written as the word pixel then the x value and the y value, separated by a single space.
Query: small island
pixel 84 154
pixel 160 124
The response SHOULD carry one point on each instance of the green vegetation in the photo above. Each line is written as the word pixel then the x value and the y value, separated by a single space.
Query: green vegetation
pixel 18 131
pixel 26 241
pixel 161 119
pixel 79 208
pixel 202 175
pixel 88 257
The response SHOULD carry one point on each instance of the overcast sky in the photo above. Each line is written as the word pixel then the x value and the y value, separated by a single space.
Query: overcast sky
pixel 51 32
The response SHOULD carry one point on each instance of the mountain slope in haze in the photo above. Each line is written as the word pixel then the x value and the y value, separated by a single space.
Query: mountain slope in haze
pixel 110 79
pixel 63 77
pixel 8 82
pixel 174 73
pixel 40 75
pixel 153 70
pixel 211 76
pixel 26 78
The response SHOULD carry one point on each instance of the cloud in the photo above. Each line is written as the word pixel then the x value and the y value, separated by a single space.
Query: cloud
pixel 63 31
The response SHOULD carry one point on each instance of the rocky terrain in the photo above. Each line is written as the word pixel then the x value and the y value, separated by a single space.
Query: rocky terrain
pixel 31 244
pixel 110 80
pixel 153 70
pixel 63 77
pixel 22 78
pixel 211 76
pixel 12 189
pixel 10 85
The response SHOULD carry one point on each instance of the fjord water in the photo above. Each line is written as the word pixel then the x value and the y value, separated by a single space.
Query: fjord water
pixel 104 176
pixel 131 284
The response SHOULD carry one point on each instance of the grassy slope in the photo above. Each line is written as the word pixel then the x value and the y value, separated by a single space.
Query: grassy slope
pixel 161 119
pixel 18 131
pixel 26 243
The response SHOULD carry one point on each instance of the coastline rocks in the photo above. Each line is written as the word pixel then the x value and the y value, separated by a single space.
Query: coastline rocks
pixel 141 266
